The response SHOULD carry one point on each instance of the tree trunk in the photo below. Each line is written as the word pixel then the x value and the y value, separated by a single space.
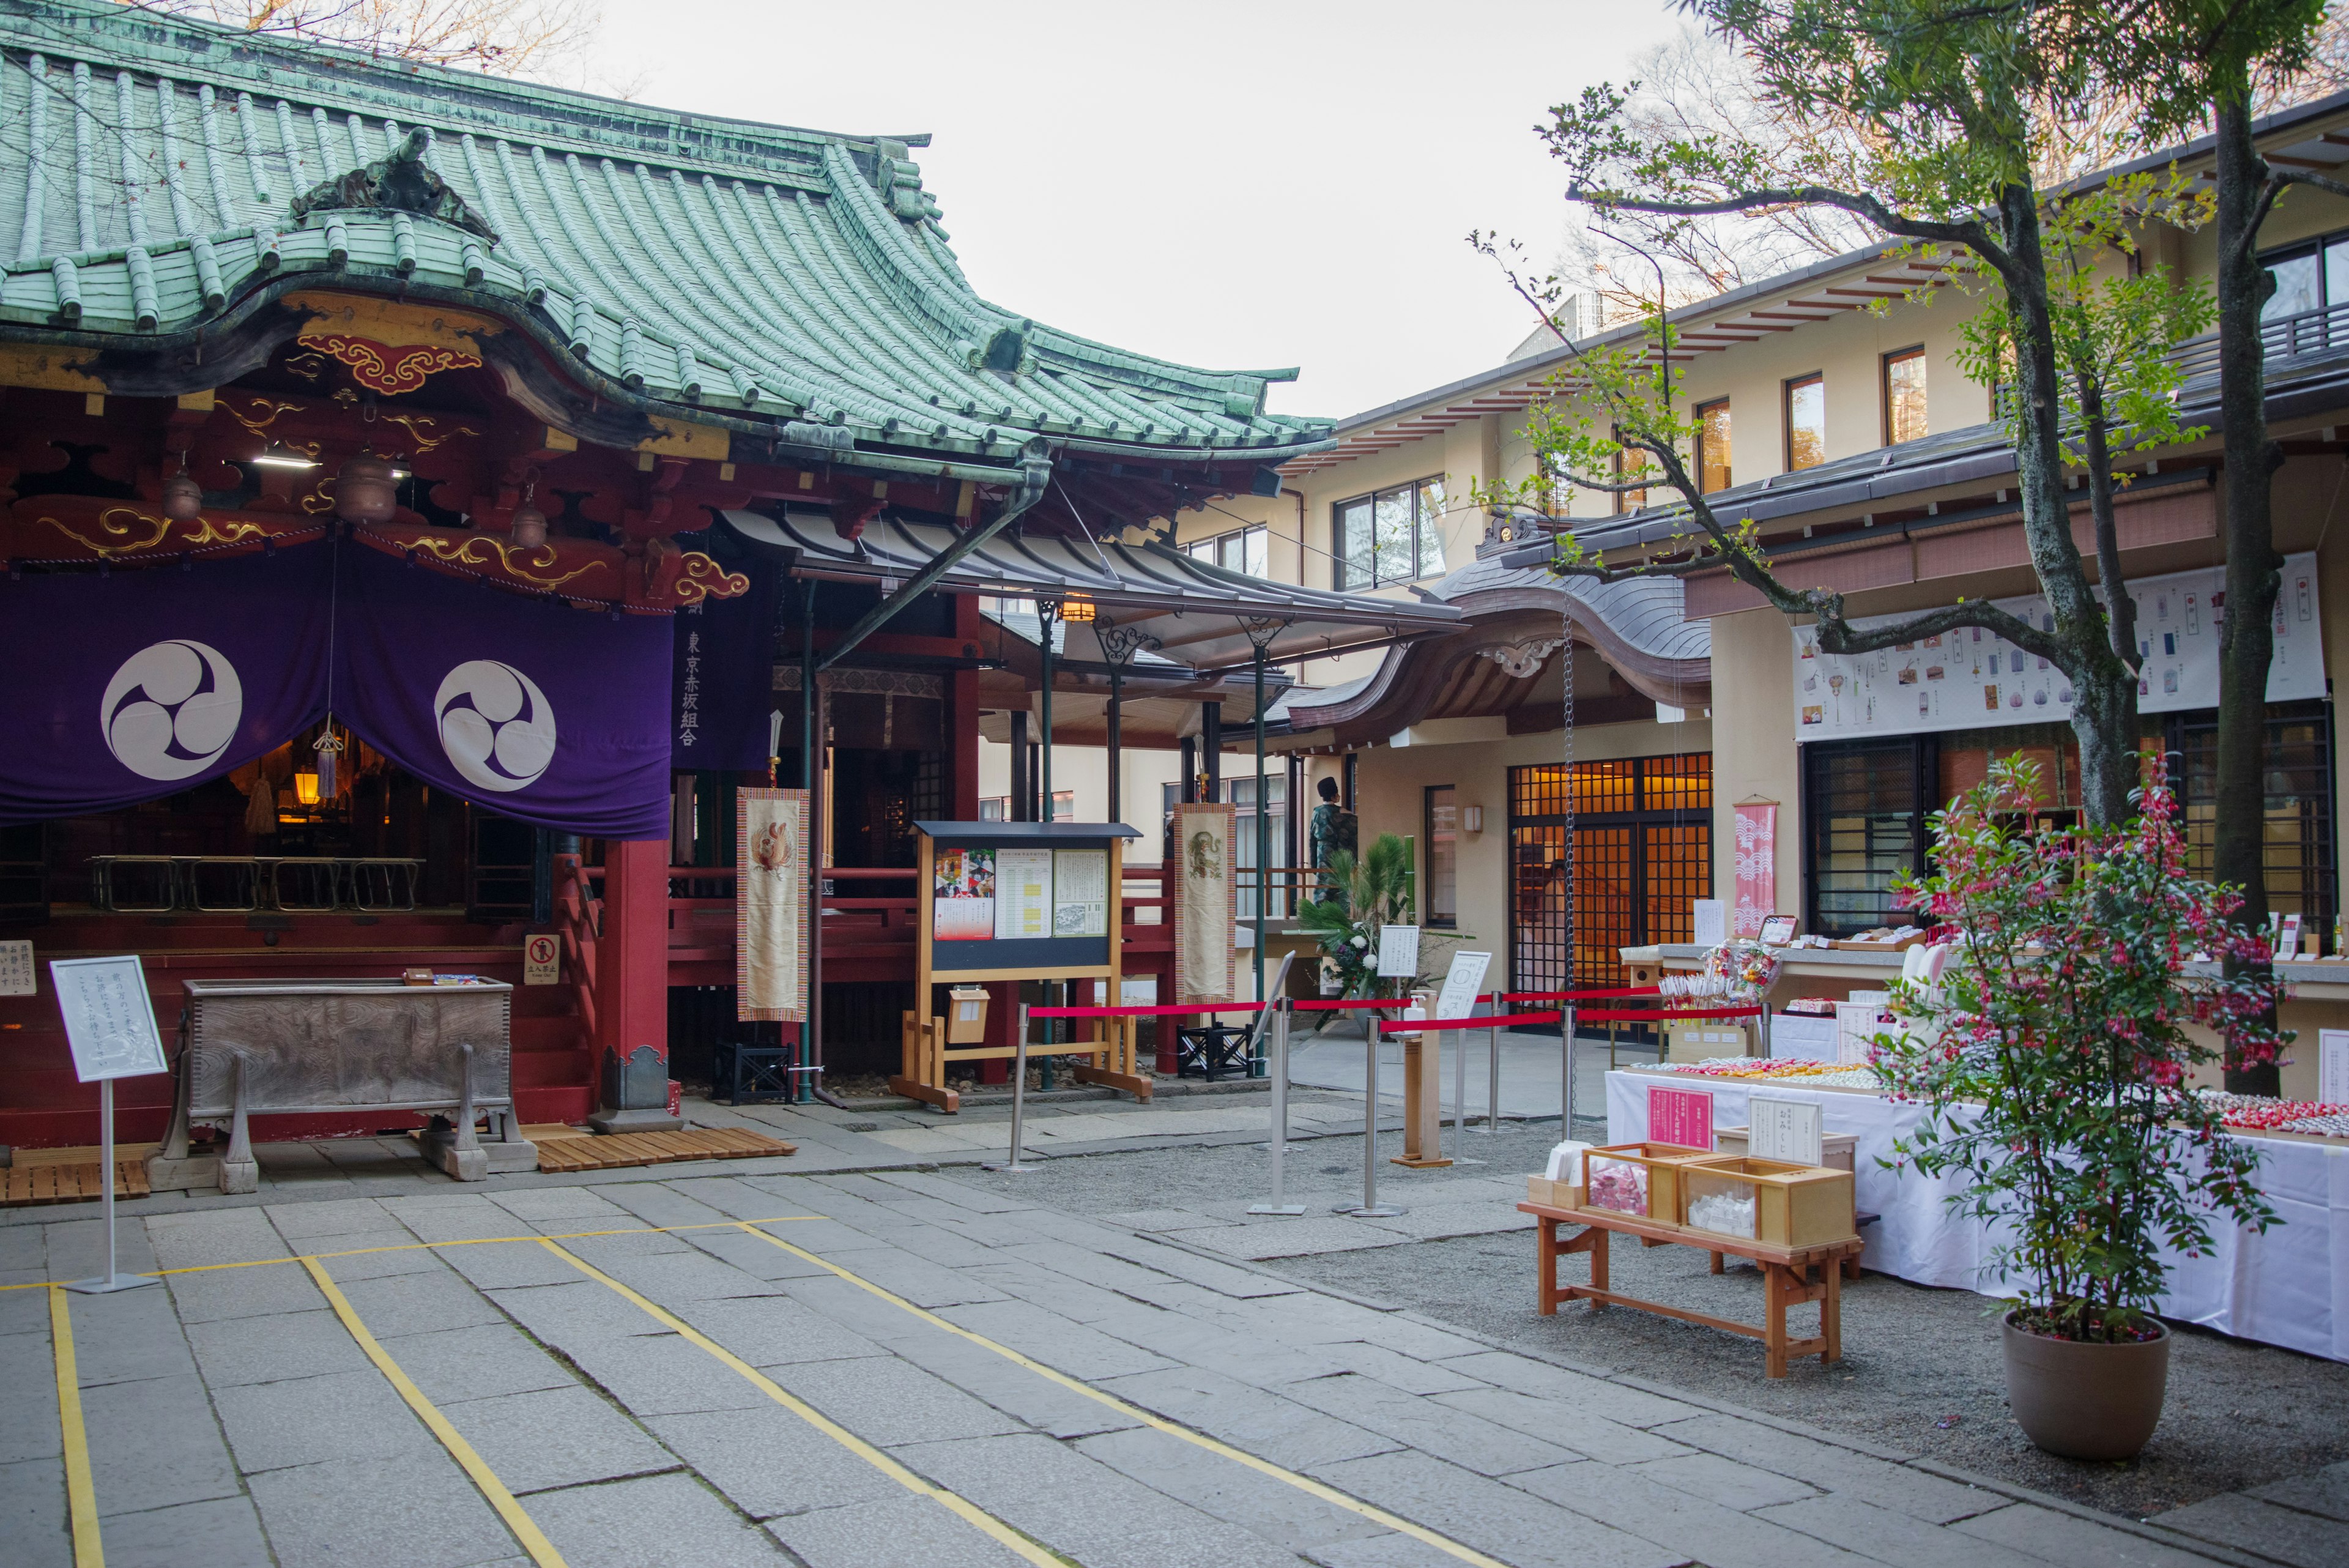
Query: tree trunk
pixel 2109 686
pixel 2246 634
pixel 2100 717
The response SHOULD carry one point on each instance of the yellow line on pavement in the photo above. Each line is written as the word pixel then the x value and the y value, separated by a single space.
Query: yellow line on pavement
pixel 525 1529
pixel 81 1494
pixel 431 1246
pixel 961 1506
pixel 1320 1489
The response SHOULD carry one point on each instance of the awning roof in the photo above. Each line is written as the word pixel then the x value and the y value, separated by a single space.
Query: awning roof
pixel 1193 609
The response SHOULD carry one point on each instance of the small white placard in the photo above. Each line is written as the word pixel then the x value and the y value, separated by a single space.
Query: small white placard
pixel 16 972
pixel 110 1019
pixel 1398 953
pixel 541 959
pixel 1461 983
pixel 1709 921
pixel 2332 1066
pixel 1857 1025
pixel 1784 1130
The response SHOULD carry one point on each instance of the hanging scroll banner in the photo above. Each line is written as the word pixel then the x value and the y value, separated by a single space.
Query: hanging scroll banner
pixel 723 671
pixel 1757 868
pixel 771 924
pixel 143 683
pixel 546 714
pixel 1205 911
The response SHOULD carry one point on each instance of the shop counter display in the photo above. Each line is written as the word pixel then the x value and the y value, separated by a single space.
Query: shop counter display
pixel 2289 1286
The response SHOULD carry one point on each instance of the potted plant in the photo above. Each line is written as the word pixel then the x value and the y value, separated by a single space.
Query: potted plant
pixel 2053 1064
pixel 1363 894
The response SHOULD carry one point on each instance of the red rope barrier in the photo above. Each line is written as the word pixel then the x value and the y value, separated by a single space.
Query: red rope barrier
pixel 1669 1017
pixel 1142 1011
pixel 1504 1021
pixel 1320 1006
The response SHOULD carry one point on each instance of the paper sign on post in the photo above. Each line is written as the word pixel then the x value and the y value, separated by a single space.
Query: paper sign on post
pixel 1784 1130
pixel 110 1019
pixel 1461 983
pixel 1398 953
pixel 16 969
pixel 2332 1066
pixel 1681 1116
pixel 1707 922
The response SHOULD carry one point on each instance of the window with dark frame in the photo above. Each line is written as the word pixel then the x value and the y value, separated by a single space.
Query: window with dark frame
pixel 1389 536
pixel 1712 470
pixel 1807 421
pixel 1440 827
pixel 1904 395
pixel 1244 550
pixel 1867 803
pixel 1628 463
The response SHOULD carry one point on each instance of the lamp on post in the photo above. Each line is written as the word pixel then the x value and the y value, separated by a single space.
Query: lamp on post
pixel 1260 633
pixel 1048 614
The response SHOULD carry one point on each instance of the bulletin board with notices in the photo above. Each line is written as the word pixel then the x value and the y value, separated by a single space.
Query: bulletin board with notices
pixel 1970 679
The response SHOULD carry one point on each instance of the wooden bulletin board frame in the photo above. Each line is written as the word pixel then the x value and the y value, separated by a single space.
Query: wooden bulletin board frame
pixel 1109 1044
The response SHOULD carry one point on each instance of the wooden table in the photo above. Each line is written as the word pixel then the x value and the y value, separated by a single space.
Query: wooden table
pixel 1785 1277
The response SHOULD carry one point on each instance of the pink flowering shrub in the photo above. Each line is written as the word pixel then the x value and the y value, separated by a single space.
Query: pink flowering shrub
pixel 2052 1059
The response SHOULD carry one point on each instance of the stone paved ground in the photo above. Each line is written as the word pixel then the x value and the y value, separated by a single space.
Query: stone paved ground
pixel 771 1362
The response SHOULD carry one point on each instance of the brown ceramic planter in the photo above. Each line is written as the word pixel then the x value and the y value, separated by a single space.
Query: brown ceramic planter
pixel 2085 1401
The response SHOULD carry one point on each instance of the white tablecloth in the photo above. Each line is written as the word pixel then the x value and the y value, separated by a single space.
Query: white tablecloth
pixel 2288 1287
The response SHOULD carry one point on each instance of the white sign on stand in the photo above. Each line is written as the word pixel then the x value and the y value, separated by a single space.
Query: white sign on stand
pixel 1398 953
pixel 110 1026
pixel 16 969
pixel 2332 1066
pixel 1463 983
pixel 1789 1131
pixel 109 1021
pixel 1707 922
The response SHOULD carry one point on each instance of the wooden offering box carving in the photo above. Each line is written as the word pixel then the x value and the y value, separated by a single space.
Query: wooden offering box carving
pixel 1640 1178
pixel 1765 1200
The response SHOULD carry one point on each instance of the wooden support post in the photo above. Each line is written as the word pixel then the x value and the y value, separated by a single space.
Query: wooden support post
pixel 1423 1102
pixel 631 982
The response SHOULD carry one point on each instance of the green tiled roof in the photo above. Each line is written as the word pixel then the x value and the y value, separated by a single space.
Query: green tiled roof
pixel 755 270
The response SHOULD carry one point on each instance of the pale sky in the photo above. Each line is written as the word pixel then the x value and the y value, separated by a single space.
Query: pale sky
pixel 1239 186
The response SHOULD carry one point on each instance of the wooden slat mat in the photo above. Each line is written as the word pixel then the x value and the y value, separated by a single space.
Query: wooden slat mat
pixel 52 1183
pixel 614 1150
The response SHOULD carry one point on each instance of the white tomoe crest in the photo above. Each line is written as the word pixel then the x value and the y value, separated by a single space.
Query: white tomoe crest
pixel 495 725
pixel 171 710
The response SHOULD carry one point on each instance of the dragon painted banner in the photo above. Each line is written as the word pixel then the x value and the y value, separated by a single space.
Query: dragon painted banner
pixel 770 904
pixel 1204 912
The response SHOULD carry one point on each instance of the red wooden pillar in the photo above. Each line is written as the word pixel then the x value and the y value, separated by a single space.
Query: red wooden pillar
pixel 632 991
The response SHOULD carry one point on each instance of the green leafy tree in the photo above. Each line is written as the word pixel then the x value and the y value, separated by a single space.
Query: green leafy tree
pixel 2053 1061
pixel 1365 893
pixel 1943 111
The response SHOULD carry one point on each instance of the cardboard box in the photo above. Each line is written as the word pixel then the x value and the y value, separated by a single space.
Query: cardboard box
pixel 1702 1038
pixel 1842 1149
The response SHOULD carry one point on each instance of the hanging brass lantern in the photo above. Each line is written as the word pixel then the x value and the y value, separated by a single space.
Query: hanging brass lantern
pixel 365 491
pixel 183 498
pixel 529 527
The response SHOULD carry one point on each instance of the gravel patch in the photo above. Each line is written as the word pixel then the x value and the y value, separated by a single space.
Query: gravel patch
pixel 1921 1370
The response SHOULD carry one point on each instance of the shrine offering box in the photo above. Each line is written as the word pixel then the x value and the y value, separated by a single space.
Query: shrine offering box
pixel 1842 1149
pixel 1641 1179
pixel 1766 1200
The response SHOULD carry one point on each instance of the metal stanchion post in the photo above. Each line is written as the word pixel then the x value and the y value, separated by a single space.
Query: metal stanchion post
pixel 1280 1204
pixel 1566 1100
pixel 1371 1209
pixel 1019 1094
pixel 113 1280
pixel 1493 1072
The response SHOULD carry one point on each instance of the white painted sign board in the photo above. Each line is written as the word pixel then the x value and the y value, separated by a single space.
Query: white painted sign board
pixel 1462 983
pixel 1398 953
pixel 110 1019
pixel 1784 1130
pixel 16 973
pixel 2332 1066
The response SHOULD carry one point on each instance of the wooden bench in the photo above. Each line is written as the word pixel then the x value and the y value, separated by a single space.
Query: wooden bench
pixel 1785 1277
